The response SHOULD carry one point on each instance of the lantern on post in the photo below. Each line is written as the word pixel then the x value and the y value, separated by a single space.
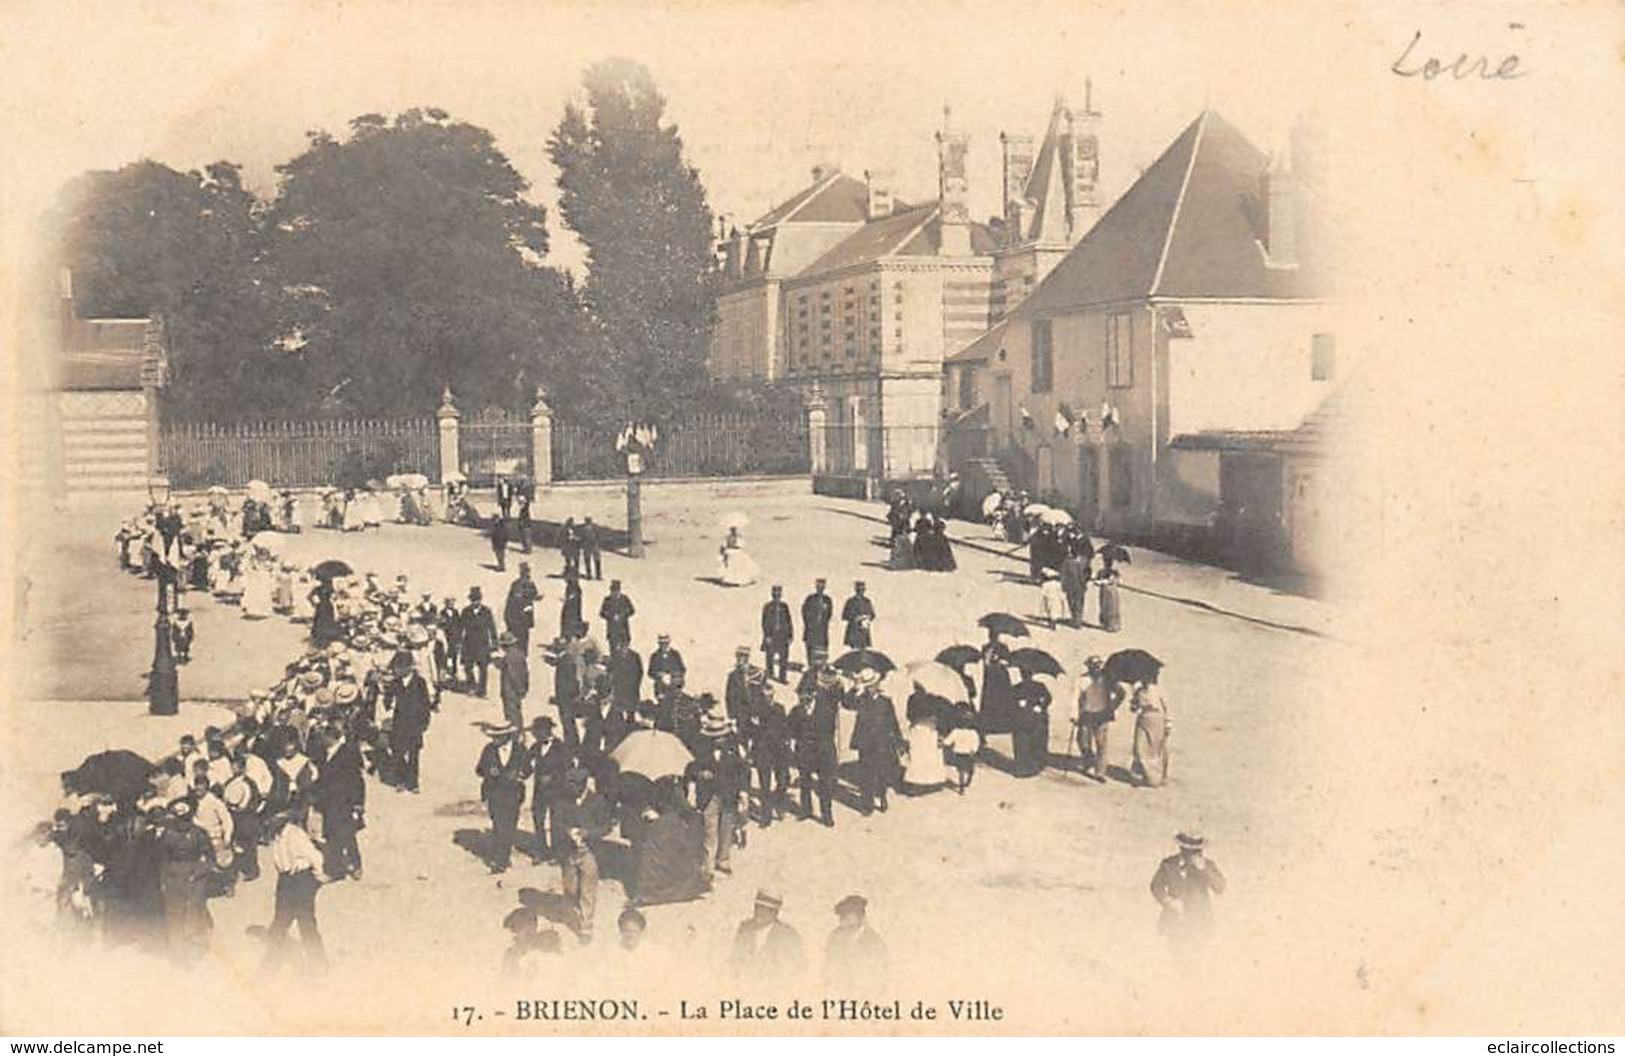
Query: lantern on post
pixel 163 683
pixel 635 442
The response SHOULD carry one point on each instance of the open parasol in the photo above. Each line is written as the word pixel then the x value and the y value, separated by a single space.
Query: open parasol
pixel 332 568
pixel 1115 553
pixel 861 659
pixel 1055 517
pixel 1036 661
pixel 454 477
pixel 652 753
pixel 118 773
pixel 1034 509
pixel 393 481
pixel 1132 665
pixel 957 656
pixel 259 491
pixel 414 481
pixel 1004 623
pixel 735 519
pixel 939 680
pixel 993 501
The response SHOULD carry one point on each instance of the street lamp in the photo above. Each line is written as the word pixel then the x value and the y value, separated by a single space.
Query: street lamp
pixel 635 442
pixel 163 684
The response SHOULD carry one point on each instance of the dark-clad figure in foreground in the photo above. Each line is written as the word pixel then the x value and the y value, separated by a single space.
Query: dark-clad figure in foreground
pixel 1184 886
pixel 855 959
pixel 766 950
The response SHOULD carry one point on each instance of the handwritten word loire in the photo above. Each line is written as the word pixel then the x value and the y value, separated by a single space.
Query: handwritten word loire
pixel 1463 67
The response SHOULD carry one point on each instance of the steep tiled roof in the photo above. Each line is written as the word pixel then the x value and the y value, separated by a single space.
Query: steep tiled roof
pixel 837 198
pixel 1191 226
pixel 1046 187
pixel 912 231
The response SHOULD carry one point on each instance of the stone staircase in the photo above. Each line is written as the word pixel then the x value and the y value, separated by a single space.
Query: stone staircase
pixel 104 450
pixel 981 477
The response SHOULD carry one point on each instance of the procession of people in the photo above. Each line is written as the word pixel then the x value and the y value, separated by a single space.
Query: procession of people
pixel 631 770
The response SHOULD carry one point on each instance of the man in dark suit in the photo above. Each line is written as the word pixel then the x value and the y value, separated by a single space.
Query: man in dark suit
pixel 767 732
pixel 625 676
pixel 571 545
pixel 816 612
pixel 766 949
pixel 875 737
pixel 341 792
pixel 519 612
pixel 502 770
pixel 514 681
pixel 524 495
pixel 666 668
pixel 549 762
pixel 592 557
pixel 777 633
pixel 505 497
pixel 479 640
pixel 812 732
pixel 411 703
pixel 450 646
pixel 617 613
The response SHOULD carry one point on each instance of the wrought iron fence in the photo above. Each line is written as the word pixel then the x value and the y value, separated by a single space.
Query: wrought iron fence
pixel 494 444
pixel 702 445
pixel 344 452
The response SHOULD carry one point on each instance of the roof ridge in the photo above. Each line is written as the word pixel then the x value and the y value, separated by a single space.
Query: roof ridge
pixel 1179 201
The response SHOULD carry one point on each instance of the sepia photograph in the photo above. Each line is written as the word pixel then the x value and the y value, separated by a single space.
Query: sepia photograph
pixel 560 518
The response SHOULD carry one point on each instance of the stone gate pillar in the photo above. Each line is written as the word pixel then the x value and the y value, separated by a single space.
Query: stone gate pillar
pixel 154 371
pixel 450 416
pixel 817 435
pixel 541 439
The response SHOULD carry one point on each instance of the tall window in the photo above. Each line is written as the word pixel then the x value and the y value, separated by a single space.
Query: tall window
pixel 1043 356
pixel 1323 357
pixel 967 387
pixel 1120 351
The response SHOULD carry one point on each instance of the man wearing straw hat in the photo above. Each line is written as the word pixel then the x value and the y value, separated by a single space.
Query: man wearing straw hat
pixel 766 949
pixel 514 679
pixel 502 770
pixel 1184 886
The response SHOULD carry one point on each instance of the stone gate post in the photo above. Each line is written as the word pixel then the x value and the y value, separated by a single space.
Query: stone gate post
pixel 450 416
pixel 541 438
pixel 817 436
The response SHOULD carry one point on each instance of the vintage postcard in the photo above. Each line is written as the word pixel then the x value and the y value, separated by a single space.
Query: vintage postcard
pixel 903 518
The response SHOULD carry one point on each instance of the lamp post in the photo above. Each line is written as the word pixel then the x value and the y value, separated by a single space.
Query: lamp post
pixel 163 684
pixel 635 442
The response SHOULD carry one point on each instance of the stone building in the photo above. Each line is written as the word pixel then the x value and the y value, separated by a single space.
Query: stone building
pixel 857 297
pixel 1197 304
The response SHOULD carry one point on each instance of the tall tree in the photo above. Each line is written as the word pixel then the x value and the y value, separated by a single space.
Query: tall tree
pixel 412 260
pixel 147 240
pixel 640 210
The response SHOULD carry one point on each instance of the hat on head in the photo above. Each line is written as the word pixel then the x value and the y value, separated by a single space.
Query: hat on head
pixel 346 692
pixel 524 566
pixel 417 634
pixel 311 680
pixel 859 583
pixel 337 648
pixel 541 725
pixel 770 899
pixel 1093 662
pixel 851 904
pixel 324 696
pixel 662 637
pixel 756 674
pixel 401 664
pixel 714 725
pixel 743 650
pixel 1191 840
pixel 181 807
pixel 474 594
pixel 614 584
pixel 506 638
pixel 867 676
pixel 503 730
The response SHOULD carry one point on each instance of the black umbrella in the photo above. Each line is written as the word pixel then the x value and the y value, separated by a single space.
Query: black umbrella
pixel 1115 553
pixel 1132 665
pixel 1004 623
pixel 332 568
pixel 1035 661
pixel 118 773
pixel 957 656
pixel 860 659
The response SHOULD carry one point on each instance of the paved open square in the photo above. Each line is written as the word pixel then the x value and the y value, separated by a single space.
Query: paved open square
pixel 1028 853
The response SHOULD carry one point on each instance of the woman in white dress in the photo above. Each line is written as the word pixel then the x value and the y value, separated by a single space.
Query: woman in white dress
pixel 304 610
pixel 739 569
pixel 354 503
pixel 925 771
pixel 258 587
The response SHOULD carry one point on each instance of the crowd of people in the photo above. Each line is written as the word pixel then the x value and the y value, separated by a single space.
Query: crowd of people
pixel 627 743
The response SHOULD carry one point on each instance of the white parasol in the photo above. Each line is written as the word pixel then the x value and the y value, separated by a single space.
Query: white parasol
pixel 414 481
pixel 1056 517
pixel 1034 509
pixel 259 491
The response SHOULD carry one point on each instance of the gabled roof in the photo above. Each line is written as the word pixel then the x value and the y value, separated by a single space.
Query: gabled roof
pixel 835 199
pixel 911 231
pixel 1190 226
pixel 983 348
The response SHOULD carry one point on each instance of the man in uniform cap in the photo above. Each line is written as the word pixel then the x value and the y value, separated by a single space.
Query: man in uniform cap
pixel 816 611
pixel 855 958
pixel 502 769
pixel 859 615
pixel 519 612
pixel 813 724
pixel 736 693
pixel 1184 886
pixel 767 735
pixel 777 633
pixel 766 949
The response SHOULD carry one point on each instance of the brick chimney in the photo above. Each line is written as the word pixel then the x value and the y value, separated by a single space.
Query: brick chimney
pixel 1018 168
pixel 1081 163
pixel 879 183
pixel 822 171
pixel 953 189
pixel 735 252
pixel 1281 215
